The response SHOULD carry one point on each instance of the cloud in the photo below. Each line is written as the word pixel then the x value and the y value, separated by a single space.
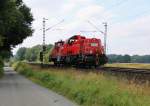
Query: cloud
pixel 75 13
pixel 130 37
pixel 89 11
pixel 138 27
pixel 123 37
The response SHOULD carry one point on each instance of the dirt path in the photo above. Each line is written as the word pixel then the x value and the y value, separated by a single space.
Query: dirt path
pixel 15 90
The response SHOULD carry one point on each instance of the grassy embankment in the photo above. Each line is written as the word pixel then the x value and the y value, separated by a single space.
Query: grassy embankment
pixel 87 89
pixel 129 65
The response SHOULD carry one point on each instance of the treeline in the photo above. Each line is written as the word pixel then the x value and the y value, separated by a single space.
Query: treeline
pixel 113 58
pixel 33 54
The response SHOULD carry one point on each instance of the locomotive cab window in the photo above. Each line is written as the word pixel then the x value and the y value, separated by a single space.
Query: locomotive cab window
pixel 58 44
pixel 71 41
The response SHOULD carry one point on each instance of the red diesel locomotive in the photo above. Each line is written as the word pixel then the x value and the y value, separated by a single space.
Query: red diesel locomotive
pixel 78 50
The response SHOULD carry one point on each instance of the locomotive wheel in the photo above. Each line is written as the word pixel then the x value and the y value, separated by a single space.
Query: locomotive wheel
pixel 96 60
pixel 55 63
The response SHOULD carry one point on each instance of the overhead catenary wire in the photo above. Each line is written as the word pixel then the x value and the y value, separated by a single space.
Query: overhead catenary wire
pixel 55 25
pixel 88 31
pixel 118 4
pixel 103 32
pixel 130 16
pixel 95 26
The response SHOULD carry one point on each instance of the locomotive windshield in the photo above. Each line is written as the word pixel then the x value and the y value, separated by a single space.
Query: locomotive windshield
pixel 75 39
pixel 58 44
pixel 72 40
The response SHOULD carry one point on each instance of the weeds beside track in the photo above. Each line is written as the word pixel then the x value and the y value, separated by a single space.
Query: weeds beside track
pixel 139 76
pixel 87 88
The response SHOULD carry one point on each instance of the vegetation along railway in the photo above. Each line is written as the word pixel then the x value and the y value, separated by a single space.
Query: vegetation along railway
pixel 85 53
pixel 140 76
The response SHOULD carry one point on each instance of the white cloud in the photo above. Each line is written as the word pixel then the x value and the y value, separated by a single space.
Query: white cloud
pixel 89 12
pixel 137 27
pixel 130 37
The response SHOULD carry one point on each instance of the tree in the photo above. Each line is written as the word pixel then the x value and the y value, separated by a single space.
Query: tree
pixel 127 58
pixel 140 59
pixel 28 54
pixel 15 23
pixel 113 58
pixel 33 54
pixel 20 55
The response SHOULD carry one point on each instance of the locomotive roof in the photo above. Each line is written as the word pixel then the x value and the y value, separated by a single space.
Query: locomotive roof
pixel 77 36
pixel 60 41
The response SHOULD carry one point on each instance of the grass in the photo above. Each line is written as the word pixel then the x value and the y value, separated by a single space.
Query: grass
pixel 87 89
pixel 129 65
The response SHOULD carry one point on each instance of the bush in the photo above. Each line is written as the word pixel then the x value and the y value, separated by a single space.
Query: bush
pixel 23 69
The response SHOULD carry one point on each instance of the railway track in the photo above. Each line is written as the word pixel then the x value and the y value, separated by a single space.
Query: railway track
pixel 138 75
pixel 110 69
pixel 126 70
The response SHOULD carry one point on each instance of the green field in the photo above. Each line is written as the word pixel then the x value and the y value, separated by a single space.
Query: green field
pixel 129 65
pixel 87 88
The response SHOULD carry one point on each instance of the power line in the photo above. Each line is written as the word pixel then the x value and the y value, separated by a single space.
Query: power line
pixel 117 4
pixel 55 25
pixel 114 5
pixel 105 36
pixel 95 27
pixel 88 31
pixel 123 1
pixel 44 31
pixel 103 32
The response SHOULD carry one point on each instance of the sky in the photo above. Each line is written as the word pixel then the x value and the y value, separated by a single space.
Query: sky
pixel 128 23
